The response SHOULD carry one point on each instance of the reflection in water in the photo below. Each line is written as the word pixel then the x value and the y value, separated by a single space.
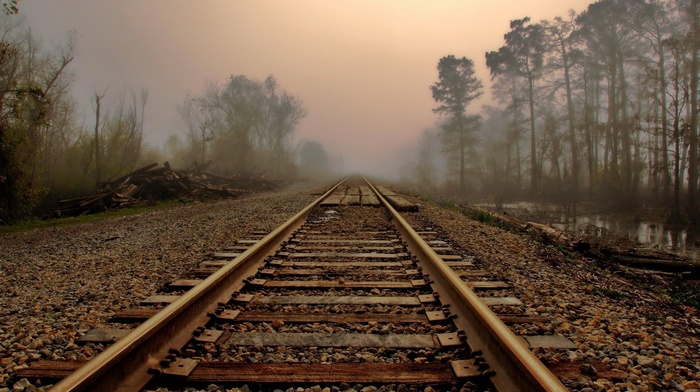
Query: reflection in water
pixel 683 241
pixel 654 234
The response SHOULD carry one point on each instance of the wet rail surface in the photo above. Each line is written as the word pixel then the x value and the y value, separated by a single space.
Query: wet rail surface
pixel 344 293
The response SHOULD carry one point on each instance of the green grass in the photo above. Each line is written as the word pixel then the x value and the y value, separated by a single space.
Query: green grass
pixel 449 204
pixel 560 248
pixel 60 222
pixel 614 294
pixel 686 294
pixel 484 217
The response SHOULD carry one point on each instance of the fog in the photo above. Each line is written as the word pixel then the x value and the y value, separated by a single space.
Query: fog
pixel 362 68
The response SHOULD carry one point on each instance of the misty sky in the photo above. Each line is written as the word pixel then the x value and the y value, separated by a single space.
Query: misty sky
pixel 362 68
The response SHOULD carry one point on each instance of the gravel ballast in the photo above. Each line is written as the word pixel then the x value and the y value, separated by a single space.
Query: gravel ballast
pixel 655 343
pixel 56 284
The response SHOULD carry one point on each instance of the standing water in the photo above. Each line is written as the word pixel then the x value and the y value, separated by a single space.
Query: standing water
pixel 680 240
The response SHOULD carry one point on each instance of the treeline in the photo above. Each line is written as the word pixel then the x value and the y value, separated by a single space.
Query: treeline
pixel 603 104
pixel 50 151
pixel 45 152
pixel 240 126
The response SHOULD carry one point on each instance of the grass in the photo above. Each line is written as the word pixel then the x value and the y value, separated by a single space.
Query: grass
pixel 60 222
pixel 614 294
pixel 484 217
pixel 560 248
pixel 449 204
pixel 686 294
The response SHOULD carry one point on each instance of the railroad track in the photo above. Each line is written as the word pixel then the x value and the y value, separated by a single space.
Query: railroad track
pixel 344 293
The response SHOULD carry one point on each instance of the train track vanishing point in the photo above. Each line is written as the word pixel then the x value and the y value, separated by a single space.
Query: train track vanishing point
pixel 389 308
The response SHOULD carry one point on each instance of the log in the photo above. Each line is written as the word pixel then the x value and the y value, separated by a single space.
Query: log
pixel 657 264
pixel 510 220
pixel 551 234
pixel 141 170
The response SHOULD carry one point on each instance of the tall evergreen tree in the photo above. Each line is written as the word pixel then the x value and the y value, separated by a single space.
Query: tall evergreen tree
pixel 523 55
pixel 455 89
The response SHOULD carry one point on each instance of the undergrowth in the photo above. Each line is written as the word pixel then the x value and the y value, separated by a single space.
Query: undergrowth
pixel 686 294
pixel 76 220
pixel 449 204
pixel 610 293
pixel 483 217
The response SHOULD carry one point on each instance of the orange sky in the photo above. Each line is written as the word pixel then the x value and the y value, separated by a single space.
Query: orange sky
pixel 362 68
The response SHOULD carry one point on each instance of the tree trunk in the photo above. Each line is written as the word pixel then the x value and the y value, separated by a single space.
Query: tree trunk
pixel 588 130
pixel 572 125
pixel 516 139
pixel 693 124
pixel 461 159
pixel 625 129
pixel 665 175
pixel 518 161
pixel 596 121
pixel 98 167
pixel 534 179
pixel 613 123
pixel 676 205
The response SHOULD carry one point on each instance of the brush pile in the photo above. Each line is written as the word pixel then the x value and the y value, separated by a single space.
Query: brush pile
pixel 154 183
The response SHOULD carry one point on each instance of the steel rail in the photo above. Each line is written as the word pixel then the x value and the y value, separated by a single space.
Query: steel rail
pixel 515 367
pixel 124 366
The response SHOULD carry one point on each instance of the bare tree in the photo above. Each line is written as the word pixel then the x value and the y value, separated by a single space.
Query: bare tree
pixel 244 124
pixel 33 91
pixel 98 120
pixel 561 36
pixel 690 11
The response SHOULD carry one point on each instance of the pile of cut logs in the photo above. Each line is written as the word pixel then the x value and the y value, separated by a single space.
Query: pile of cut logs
pixel 154 183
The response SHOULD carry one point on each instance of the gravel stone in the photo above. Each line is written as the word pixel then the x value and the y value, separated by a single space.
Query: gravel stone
pixel 629 328
pixel 56 284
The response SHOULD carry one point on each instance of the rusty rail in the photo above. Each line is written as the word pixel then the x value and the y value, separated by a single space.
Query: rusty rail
pixel 515 367
pixel 124 366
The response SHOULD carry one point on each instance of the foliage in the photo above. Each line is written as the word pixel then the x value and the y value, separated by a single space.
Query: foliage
pixel 602 105
pixel 455 89
pixel 242 125
pixel 523 57
pixel 483 217
pixel 10 7
pixel 121 137
pixel 686 294
pixel 523 53
pixel 45 155
pixel 426 170
pixel 33 95
pixel 456 86
pixel 610 293
pixel 314 160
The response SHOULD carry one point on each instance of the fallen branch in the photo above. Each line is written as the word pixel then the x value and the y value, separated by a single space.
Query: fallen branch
pixel 152 183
